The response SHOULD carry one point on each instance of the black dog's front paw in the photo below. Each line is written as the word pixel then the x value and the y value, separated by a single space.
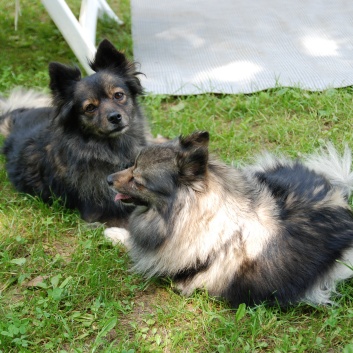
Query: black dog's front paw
pixel 90 214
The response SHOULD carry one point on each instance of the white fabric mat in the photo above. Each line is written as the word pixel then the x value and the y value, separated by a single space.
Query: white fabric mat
pixel 230 46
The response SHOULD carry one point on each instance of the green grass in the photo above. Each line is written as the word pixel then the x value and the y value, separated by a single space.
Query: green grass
pixel 63 288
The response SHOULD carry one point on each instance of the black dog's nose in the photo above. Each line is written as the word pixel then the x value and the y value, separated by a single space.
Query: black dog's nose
pixel 114 118
pixel 110 180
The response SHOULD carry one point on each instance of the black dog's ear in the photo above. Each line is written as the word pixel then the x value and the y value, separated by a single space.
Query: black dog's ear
pixel 108 58
pixel 192 160
pixel 62 79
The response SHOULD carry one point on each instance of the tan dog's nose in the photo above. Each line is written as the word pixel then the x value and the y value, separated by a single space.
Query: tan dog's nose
pixel 110 179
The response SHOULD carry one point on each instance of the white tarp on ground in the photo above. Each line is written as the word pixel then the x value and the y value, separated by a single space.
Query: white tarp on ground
pixel 230 46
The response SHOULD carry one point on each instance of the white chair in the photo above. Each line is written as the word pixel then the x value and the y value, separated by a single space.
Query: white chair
pixel 80 34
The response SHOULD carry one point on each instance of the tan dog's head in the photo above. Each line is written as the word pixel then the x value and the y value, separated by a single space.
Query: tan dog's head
pixel 160 170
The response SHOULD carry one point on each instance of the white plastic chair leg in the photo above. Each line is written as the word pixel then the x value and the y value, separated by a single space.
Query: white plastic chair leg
pixel 80 35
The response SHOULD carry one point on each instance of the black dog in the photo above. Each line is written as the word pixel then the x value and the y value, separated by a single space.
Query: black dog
pixel 93 127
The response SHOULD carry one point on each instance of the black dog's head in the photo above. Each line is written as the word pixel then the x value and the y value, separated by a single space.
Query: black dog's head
pixel 160 170
pixel 103 104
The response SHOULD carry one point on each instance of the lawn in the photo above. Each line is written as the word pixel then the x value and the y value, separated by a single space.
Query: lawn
pixel 63 288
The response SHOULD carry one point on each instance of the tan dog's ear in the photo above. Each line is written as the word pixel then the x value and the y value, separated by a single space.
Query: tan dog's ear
pixel 198 138
pixel 192 160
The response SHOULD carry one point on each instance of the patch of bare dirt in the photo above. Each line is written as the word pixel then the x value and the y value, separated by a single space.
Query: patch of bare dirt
pixel 64 247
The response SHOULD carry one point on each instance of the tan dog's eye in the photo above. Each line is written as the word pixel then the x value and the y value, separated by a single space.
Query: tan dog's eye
pixel 136 182
pixel 90 108
pixel 118 96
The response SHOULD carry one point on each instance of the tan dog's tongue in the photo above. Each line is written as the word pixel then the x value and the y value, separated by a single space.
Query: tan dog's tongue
pixel 119 196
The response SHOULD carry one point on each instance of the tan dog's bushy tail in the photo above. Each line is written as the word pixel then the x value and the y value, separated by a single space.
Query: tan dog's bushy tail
pixel 337 168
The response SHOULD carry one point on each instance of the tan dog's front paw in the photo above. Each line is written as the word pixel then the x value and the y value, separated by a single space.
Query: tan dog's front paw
pixel 117 235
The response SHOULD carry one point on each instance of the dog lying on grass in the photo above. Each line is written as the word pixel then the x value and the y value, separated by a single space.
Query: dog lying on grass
pixel 279 231
pixel 65 147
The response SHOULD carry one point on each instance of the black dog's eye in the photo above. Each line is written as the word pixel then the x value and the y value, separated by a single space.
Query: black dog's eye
pixel 90 108
pixel 118 95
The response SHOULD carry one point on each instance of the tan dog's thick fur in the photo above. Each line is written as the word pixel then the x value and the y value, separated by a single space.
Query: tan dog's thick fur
pixel 279 231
